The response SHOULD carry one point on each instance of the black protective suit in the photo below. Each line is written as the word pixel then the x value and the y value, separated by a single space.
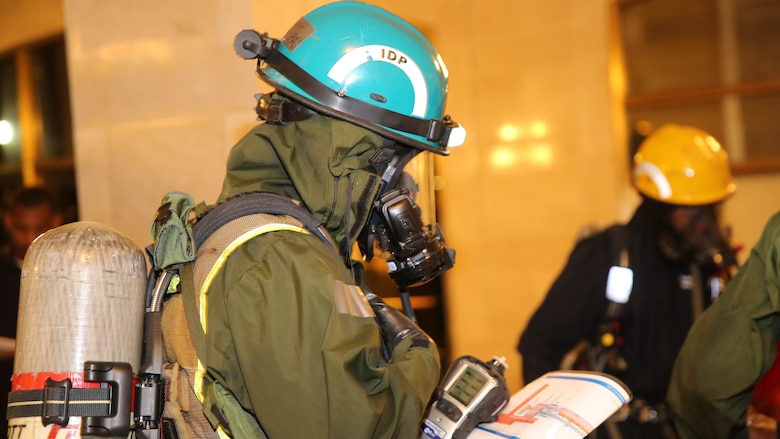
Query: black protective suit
pixel 657 316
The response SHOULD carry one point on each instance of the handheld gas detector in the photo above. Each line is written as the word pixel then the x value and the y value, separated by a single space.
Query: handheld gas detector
pixel 472 392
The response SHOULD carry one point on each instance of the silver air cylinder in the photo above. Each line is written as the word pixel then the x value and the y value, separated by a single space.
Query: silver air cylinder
pixel 82 298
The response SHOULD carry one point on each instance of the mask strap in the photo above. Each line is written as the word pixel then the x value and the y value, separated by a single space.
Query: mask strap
pixel 347 246
pixel 382 157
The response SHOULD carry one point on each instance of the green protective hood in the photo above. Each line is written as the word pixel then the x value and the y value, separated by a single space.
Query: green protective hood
pixel 320 161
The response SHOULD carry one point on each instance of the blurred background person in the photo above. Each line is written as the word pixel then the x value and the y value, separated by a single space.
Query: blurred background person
pixel 29 212
pixel 628 294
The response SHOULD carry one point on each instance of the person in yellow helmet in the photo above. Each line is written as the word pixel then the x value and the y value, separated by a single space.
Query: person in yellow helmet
pixel 628 294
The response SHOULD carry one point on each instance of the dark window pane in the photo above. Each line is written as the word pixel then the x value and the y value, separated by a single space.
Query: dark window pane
pixel 762 130
pixel 670 45
pixel 707 116
pixel 9 111
pixel 51 83
pixel 758 30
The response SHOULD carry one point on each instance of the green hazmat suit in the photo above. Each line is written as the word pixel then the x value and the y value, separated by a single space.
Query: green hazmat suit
pixel 279 337
pixel 730 347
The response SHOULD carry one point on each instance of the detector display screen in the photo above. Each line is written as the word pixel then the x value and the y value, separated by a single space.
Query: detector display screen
pixel 467 385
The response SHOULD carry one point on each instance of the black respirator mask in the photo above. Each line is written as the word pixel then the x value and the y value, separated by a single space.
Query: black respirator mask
pixel 402 222
pixel 702 243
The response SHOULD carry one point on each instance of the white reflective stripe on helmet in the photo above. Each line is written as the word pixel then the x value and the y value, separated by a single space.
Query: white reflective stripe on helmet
pixel 375 52
pixel 656 176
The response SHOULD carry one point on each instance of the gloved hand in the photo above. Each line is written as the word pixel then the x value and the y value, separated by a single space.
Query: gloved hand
pixel 395 327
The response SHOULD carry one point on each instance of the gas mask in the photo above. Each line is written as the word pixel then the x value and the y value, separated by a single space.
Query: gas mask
pixel 403 222
pixel 702 243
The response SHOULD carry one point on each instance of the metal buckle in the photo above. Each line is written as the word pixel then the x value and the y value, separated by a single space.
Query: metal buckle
pixel 268 109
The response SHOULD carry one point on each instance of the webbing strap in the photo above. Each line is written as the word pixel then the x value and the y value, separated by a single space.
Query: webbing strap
pixel 59 403
pixel 618 239
pixel 191 311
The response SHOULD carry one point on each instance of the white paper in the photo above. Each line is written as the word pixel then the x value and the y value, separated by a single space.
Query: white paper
pixel 558 405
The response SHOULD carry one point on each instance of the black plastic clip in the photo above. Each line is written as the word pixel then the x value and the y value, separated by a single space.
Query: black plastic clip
pixel 119 378
pixel 56 394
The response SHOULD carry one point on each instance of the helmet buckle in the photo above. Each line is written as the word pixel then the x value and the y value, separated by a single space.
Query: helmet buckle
pixel 276 111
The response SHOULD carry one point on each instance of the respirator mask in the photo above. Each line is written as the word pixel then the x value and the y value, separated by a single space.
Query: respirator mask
pixel 702 243
pixel 402 225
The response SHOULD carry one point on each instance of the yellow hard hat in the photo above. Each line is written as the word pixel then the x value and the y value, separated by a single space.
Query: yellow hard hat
pixel 683 165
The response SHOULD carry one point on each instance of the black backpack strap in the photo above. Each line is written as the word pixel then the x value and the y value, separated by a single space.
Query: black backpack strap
pixel 618 240
pixel 254 203
pixel 610 333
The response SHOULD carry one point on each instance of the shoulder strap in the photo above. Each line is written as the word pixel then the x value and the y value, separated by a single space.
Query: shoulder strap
pixel 620 279
pixel 618 240
pixel 256 203
pixel 191 313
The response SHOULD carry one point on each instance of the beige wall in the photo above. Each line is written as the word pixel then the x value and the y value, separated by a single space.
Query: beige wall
pixel 22 22
pixel 159 97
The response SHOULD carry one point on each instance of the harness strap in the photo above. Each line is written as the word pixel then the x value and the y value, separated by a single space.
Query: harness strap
pixel 54 403
pixel 253 203
pixel 191 313
pixel 618 239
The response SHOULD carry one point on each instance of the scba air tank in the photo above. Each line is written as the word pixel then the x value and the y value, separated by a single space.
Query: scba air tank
pixel 81 300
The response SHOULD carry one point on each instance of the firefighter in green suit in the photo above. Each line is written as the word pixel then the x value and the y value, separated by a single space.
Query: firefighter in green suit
pixel 356 111
pixel 730 347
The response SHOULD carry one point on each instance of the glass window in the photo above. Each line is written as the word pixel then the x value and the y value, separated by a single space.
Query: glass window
pixel 670 44
pixel 10 143
pixel 51 85
pixel 761 123
pixel 36 137
pixel 714 64
pixel 758 39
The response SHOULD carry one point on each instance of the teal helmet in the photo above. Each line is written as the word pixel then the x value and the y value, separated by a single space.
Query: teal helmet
pixel 360 63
